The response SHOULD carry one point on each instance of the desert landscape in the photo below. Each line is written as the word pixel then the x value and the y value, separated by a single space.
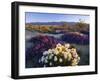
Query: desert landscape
pixel 41 36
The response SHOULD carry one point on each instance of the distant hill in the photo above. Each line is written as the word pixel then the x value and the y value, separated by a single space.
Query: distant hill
pixel 52 23
pixel 58 27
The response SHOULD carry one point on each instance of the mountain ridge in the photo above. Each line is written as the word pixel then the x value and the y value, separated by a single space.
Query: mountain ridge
pixel 52 23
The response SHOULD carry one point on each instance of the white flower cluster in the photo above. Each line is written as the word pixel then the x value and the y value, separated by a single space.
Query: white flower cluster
pixel 62 55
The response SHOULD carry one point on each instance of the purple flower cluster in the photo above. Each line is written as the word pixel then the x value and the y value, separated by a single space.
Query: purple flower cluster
pixel 75 37
pixel 39 45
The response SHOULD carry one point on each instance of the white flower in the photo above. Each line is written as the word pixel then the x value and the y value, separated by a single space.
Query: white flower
pixel 65 55
pixel 74 62
pixel 67 45
pixel 50 63
pixel 67 50
pixel 56 52
pixel 78 59
pixel 59 49
pixel 60 60
pixel 50 51
pixel 55 58
pixel 69 56
pixel 75 55
pixel 58 45
pixel 39 60
pixel 46 57
pixel 50 56
pixel 45 52
pixel 42 58
pixel 73 50
pixel 53 50
pixel 45 61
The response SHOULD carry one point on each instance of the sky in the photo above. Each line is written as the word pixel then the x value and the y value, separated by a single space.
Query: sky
pixel 53 17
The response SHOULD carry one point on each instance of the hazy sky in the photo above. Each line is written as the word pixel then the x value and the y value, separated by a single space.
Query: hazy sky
pixel 52 17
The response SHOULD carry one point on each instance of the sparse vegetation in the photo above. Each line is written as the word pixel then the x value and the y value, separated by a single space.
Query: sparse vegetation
pixel 65 27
